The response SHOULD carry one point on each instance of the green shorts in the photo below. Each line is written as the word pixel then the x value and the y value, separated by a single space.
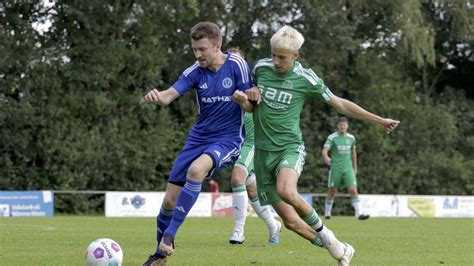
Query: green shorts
pixel 268 165
pixel 341 178
pixel 245 160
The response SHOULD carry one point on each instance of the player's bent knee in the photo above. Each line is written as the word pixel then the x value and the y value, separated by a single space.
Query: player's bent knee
pixel 237 180
pixel 196 173
pixel 332 191
pixel 169 203
pixel 352 191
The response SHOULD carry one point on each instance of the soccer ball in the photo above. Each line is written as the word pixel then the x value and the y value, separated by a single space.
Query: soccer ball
pixel 104 252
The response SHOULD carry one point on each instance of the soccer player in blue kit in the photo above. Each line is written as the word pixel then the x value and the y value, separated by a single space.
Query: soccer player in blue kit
pixel 214 140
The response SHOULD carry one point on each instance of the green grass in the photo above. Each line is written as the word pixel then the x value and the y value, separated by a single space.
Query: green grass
pixel 62 240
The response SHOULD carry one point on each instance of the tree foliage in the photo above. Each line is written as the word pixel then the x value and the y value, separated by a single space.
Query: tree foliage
pixel 72 74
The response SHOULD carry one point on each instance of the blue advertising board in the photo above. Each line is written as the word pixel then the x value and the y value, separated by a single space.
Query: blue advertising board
pixel 308 198
pixel 26 203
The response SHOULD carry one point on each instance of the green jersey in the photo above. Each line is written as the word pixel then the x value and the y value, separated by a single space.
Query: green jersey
pixel 249 129
pixel 277 118
pixel 340 147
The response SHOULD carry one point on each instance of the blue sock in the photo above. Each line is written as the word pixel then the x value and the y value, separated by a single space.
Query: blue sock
pixel 184 203
pixel 162 220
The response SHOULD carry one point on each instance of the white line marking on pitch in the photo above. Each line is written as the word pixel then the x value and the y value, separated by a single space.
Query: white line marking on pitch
pixel 44 227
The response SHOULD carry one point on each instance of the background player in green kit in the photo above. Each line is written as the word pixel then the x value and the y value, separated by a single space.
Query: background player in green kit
pixel 244 187
pixel 343 162
pixel 279 149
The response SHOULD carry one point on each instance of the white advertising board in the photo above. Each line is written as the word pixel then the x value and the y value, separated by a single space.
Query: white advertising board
pixel 417 206
pixel 133 204
pixel 148 204
pixel 379 205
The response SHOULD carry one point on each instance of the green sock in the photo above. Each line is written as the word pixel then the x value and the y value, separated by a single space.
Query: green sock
pixel 317 242
pixel 313 220
pixel 240 188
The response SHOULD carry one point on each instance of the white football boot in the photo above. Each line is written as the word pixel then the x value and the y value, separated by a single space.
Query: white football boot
pixel 237 237
pixel 274 236
pixel 347 257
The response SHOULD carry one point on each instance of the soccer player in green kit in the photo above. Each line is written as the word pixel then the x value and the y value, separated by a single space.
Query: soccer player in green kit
pixel 279 149
pixel 343 162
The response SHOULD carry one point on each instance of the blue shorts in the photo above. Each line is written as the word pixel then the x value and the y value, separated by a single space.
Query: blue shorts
pixel 221 152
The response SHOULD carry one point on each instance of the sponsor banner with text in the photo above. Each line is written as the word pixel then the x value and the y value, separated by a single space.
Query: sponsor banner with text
pixel 417 206
pixel 133 204
pixel 26 203
pixel 148 204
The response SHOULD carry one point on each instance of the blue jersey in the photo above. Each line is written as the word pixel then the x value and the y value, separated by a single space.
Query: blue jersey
pixel 220 118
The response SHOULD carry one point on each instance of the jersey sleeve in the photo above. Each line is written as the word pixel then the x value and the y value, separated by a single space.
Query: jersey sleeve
pixel 328 143
pixel 317 87
pixel 354 144
pixel 254 76
pixel 187 80
pixel 242 73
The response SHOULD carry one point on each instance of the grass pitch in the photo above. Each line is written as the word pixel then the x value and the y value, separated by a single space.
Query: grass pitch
pixel 62 240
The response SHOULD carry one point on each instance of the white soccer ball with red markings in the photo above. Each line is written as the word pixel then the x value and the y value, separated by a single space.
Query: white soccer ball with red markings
pixel 104 252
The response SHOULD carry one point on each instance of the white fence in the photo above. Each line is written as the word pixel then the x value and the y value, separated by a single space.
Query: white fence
pixel 147 204
pixel 220 204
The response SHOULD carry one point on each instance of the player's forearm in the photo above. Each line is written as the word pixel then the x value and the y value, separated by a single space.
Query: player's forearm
pixel 353 110
pixel 169 96
pixel 354 158
pixel 324 153
pixel 163 98
pixel 162 102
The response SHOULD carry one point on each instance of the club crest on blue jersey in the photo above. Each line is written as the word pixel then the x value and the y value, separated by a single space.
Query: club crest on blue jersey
pixel 227 83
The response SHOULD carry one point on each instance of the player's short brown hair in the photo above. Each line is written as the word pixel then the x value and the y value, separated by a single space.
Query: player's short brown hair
pixel 342 119
pixel 206 30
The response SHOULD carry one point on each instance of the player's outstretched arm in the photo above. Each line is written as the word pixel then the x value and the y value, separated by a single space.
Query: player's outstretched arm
pixel 241 98
pixel 353 110
pixel 163 98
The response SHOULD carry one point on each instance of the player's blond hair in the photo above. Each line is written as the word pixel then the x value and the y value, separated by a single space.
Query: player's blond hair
pixel 288 38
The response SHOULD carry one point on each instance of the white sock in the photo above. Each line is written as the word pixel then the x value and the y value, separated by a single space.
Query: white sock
pixel 264 213
pixel 356 204
pixel 239 207
pixel 328 207
pixel 334 246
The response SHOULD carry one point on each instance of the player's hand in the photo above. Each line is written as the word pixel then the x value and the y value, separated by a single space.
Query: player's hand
pixel 239 97
pixel 253 94
pixel 327 161
pixel 389 124
pixel 153 96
